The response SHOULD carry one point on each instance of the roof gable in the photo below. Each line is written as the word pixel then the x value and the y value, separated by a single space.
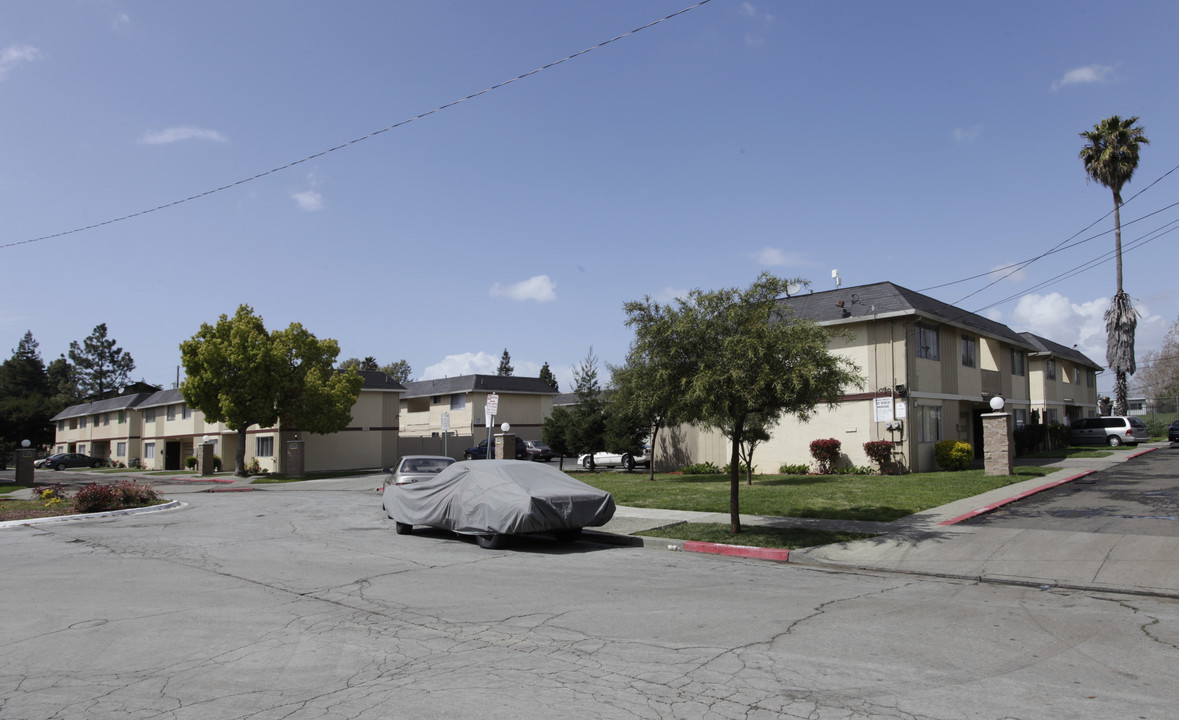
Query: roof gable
pixel 479 383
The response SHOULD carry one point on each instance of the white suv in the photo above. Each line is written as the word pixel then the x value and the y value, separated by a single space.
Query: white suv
pixel 1111 430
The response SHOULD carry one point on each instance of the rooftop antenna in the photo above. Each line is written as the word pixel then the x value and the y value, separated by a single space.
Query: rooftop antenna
pixel 835 276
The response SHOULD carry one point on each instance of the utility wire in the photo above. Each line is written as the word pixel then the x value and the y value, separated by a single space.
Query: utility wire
pixel 361 139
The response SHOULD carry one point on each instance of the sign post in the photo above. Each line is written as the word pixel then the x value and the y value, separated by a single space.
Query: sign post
pixel 489 419
pixel 445 431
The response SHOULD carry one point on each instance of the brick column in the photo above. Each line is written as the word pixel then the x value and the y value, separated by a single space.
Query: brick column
pixel 998 443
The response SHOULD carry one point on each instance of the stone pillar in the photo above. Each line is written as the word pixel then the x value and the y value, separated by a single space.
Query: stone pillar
pixel 505 446
pixel 293 467
pixel 205 458
pixel 998 443
pixel 24 465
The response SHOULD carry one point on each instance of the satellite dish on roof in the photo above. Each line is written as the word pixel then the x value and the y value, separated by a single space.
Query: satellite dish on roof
pixel 792 289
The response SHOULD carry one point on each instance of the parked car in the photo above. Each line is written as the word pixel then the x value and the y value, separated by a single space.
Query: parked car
pixel 413 468
pixel 65 460
pixel 539 451
pixel 496 498
pixel 1173 431
pixel 1111 430
pixel 479 452
pixel 608 459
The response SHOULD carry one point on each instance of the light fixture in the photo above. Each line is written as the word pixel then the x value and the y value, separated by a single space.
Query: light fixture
pixel 505 427
pixel 996 403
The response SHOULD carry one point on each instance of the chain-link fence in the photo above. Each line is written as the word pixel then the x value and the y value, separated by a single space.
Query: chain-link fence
pixel 1157 413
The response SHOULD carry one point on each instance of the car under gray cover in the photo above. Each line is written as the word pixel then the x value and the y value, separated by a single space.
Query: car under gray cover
pixel 493 498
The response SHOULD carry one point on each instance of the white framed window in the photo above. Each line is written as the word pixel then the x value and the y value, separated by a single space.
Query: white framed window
pixel 927 343
pixel 171 413
pixel 82 422
pixel 82 448
pixel 929 423
pixel 149 415
pixel 1050 368
pixel 149 450
pixel 969 351
pixel 185 411
pixel 120 449
pixel 122 417
pixel 1021 417
pixel 458 402
pixel 106 419
pixel 264 446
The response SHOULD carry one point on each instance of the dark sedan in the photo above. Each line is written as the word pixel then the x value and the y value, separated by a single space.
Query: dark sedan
pixel 61 461
pixel 1173 431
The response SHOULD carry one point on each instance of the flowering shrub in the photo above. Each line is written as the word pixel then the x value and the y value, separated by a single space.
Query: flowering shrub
pixel 953 454
pixel 879 452
pixel 52 495
pixel 102 498
pixel 826 453
pixel 95 498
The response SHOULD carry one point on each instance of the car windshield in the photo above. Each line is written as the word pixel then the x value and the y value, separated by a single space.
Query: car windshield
pixel 424 465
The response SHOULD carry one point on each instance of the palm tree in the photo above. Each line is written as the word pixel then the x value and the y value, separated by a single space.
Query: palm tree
pixel 1110 157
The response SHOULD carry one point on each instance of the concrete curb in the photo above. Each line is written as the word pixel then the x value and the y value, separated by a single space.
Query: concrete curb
pixel 173 505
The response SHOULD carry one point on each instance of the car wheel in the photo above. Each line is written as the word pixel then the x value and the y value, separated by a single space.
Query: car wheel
pixel 567 534
pixel 628 462
pixel 490 541
pixel 402 528
pixel 1114 441
pixel 95 464
pixel 587 463
pixel 468 456
pixel 59 466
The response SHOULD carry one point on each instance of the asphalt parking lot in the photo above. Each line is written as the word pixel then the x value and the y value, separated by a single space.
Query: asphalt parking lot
pixel 1138 498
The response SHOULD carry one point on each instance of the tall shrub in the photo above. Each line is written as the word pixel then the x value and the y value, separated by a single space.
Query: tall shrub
pixel 953 454
pixel 826 453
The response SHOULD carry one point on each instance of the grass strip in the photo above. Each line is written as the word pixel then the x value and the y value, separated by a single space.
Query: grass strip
pixel 755 536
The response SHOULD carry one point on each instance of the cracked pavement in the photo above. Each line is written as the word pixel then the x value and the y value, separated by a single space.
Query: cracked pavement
pixel 291 605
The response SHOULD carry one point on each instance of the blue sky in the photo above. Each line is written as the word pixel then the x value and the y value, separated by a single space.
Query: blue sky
pixel 922 143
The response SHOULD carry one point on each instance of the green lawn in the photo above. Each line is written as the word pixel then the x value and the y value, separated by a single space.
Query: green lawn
pixel 754 536
pixel 840 497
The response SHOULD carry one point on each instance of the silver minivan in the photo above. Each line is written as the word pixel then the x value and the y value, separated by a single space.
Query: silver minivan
pixel 1110 430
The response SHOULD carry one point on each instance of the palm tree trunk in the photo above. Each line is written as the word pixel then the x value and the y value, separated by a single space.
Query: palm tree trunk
pixel 1118 238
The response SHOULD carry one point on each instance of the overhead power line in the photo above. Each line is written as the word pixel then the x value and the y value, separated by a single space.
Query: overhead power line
pixel 361 139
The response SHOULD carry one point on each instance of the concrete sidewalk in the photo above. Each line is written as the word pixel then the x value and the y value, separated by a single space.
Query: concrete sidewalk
pixel 934 543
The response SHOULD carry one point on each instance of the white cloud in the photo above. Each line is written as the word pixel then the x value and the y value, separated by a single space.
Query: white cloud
pixel 763 20
pixel 121 21
pixel 14 55
pixel 967 135
pixel 1062 321
pixel 464 364
pixel 1086 75
pixel 539 288
pixel 770 257
pixel 669 295
pixel 309 200
pixel 1009 272
pixel 178 134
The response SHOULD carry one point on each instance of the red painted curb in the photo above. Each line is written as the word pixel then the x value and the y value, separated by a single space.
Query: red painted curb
pixel 757 553
pixel 1027 493
pixel 1143 452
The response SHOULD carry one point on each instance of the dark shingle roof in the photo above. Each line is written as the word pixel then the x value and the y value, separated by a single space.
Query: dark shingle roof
pixel 478 383
pixel 887 299
pixel 122 402
pixel 376 380
pixel 1045 345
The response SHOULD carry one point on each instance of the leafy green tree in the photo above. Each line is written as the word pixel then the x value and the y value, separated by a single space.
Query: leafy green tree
pixel 586 433
pixel 25 405
pixel 505 368
pixel 63 383
pixel 739 361
pixel 548 377
pixel 100 365
pixel 624 431
pixel 1110 157
pixel 242 375
pixel 555 433
pixel 649 391
pixel 399 371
